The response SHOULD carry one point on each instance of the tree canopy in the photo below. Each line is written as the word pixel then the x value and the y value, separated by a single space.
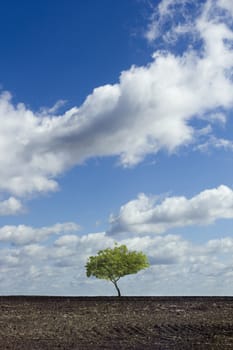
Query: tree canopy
pixel 113 263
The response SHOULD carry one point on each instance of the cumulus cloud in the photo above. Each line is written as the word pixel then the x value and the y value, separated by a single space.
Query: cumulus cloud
pixel 11 206
pixel 151 108
pixel 21 235
pixel 221 245
pixel 178 267
pixel 145 214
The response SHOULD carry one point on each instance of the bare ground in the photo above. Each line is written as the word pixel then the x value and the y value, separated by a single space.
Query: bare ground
pixel 76 323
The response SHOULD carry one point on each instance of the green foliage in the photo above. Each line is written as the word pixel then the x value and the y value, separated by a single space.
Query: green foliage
pixel 113 263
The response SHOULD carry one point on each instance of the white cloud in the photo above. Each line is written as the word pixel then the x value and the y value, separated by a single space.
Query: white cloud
pixel 178 267
pixel 216 143
pixel 227 5
pixel 151 108
pixel 221 245
pixel 217 117
pixel 11 206
pixel 67 240
pixel 21 235
pixel 54 109
pixel 171 19
pixel 145 215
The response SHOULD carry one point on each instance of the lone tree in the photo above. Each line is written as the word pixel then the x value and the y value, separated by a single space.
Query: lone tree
pixel 113 263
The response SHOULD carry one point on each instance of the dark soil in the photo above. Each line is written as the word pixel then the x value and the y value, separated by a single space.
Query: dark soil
pixel 165 323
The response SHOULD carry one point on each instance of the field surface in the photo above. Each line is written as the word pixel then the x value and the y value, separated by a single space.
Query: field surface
pixel 165 323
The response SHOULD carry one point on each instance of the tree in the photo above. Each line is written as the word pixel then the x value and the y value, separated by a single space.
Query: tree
pixel 113 263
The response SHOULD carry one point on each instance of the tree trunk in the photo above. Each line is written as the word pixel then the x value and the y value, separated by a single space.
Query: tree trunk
pixel 117 288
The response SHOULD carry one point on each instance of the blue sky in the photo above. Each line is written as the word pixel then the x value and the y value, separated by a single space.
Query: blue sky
pixel 116 125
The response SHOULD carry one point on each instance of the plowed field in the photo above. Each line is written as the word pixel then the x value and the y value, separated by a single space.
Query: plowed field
pixel 165 323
